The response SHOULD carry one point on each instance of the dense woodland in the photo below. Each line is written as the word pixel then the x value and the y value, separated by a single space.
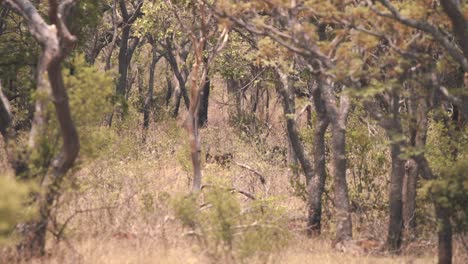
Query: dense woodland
pixel 232 131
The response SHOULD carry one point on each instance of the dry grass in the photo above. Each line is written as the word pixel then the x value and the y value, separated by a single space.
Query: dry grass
pixel 119 206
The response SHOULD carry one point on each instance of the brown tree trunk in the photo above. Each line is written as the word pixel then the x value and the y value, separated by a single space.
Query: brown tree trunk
pixel 409 197
pixel 204 100
pixel 285 89
pixel 170 90
pixel 149 97
pixel 179 68
pixel 395 226
pixel 394 131
pixel 338 118
pixel 444 235
pixel 123 62
pixel 317 185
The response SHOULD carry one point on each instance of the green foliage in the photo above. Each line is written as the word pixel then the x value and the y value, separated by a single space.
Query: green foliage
pixel 14 197
pixel 90 92
pixel 226 229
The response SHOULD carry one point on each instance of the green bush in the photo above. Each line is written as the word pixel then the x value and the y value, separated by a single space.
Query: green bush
pixel 228 230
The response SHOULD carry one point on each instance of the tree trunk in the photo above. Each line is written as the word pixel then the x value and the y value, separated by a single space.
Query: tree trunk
pixel 394 131
pixel 203 111
pixel 395 226
pixel 409 197
pixel 338 118
pixel 170 90
pixel 123 62
pixel 149 97
pixel 444 234
pixel 56 42
pixel 285 89
pixel 317 185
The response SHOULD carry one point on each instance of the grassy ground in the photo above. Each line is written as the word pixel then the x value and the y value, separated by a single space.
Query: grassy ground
pixel 119 206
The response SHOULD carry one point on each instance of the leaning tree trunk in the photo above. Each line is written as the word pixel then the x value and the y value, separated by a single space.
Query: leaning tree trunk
pixel 338 118
pixel 56 42
pixel 317 185
pixel 285 89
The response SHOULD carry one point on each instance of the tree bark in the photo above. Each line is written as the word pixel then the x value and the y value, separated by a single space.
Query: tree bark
pixel 338 119
pixel 317 185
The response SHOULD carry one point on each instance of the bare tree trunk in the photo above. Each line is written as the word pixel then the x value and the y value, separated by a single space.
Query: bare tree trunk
pixel 444 235
pixel 317 185
pixel 395 226
pixel 338 118
pixel 149 97
pixel 180 72
pixel 394 132
pixel 409 197
pixel 285 89
pixel 170 90
pixel 123 62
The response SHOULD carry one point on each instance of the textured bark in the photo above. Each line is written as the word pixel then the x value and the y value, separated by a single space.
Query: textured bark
pixel 317 185
pixel 338 119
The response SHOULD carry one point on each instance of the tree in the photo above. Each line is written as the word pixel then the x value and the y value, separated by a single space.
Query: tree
pixel 200 32
pixel 56 42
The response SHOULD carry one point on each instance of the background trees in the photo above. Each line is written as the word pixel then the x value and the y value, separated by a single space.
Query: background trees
pixel 374 113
